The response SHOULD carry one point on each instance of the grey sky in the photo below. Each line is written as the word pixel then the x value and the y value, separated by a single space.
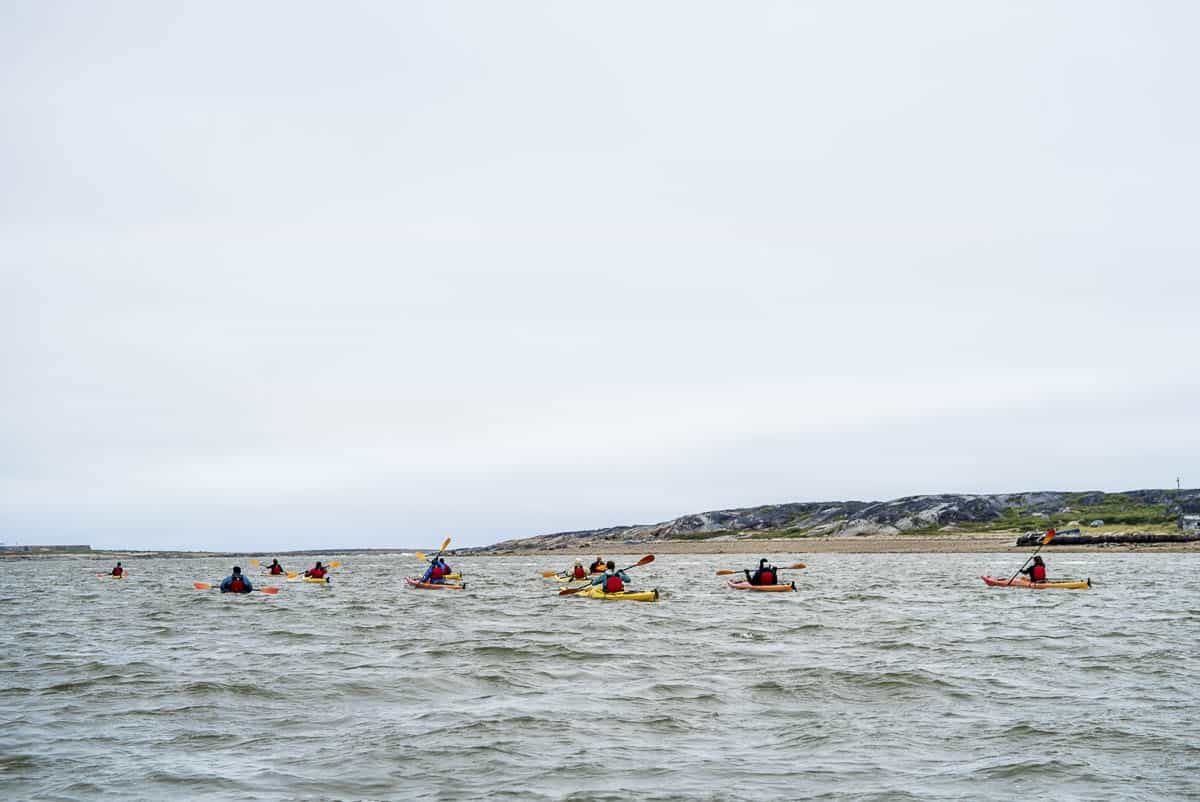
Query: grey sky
pixel 283 275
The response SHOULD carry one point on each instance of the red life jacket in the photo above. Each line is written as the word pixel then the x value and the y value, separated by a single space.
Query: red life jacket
pixel 1038 574
pixel 613 584
pixel 580 573
pixel 118 571
pixel 317 573
pixel 438 572
pixel 766 577
pixel 237 585
pixel 276 570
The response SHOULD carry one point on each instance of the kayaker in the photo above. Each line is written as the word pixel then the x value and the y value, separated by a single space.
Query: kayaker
pixel 436 572
pixel 765 575
pixel 275 569
pixel 612 580
pixel 598 566
pixel 236 582
pixel 1037 571
pixel 118 570
pixel 578 572
pixel 316 572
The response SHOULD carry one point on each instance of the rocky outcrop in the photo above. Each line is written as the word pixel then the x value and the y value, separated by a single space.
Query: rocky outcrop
pixel 943 512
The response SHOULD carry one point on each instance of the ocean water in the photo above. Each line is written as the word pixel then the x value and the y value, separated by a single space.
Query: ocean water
pixel 885 677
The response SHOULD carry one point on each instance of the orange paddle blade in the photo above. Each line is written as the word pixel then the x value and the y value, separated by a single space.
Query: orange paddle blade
pixel 272 591
pixel 1050 533
pixel 201 586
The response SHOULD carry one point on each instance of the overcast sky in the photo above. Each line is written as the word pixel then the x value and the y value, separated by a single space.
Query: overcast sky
pixel 284 275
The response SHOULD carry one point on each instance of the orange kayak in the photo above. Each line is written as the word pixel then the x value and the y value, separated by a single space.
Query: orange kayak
pixel 994 582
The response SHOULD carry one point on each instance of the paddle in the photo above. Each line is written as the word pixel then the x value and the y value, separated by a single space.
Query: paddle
pixel 1048 537
pixel 792 567
pixel 445 543
pixel 649 558
pixel 206 586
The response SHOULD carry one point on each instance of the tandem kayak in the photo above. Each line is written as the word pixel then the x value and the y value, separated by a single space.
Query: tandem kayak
pixel 995 582
pixel 416 583
pixel 624 595
pixel 744 585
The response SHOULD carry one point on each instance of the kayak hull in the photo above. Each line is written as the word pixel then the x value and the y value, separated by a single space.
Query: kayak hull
pixel 625 595
pixel 996 582
pixel 416 583
pixel 743 585
pixel 313 581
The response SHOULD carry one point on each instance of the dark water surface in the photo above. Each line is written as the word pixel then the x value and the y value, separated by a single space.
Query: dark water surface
pixel 885 677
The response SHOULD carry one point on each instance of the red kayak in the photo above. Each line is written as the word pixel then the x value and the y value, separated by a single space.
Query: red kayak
pixel 416 583
pixel 743 585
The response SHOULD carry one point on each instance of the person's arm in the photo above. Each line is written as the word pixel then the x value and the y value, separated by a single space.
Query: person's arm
pixel 225 585
pixel 624 576
pixel 598 579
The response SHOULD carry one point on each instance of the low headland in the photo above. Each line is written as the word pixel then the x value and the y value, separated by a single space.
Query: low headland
pixel 1134 520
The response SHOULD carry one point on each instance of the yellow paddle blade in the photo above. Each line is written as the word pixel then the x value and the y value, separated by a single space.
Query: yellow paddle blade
pixel 445 543
pixel 334 564
pixel 549 574
pixel 293 576
pixel 255 563
pixel 420 555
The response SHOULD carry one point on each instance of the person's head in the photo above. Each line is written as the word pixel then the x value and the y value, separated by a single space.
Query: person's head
pixel 318 563
pixel 578 562
pixel 237 569
pixel 762 563
pixel 275 561
pixel 610 565
pixel 118 563
pixel 1038 561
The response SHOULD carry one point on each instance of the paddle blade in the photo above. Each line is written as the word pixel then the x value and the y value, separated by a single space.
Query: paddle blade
pixel 445 543
pixel 797 566
pixel 420 555
pixel 726 572
pixel 334 564
pixel 272 591
pixel 649 558
pixel 546 574
pixel 1050 533
pixel 293 575
pixel 571 591
pixel 255 563
pixel 201 586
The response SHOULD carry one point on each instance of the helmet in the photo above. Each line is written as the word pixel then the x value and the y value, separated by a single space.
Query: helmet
pixel 578 561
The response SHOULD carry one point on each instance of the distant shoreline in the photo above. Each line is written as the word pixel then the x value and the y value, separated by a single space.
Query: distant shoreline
pixel 863 544
pixel 868 544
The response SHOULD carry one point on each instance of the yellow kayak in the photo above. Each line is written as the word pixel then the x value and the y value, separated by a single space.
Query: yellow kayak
pixel 624 595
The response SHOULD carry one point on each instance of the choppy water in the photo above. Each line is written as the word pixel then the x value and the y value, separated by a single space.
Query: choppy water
pixel 859 686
